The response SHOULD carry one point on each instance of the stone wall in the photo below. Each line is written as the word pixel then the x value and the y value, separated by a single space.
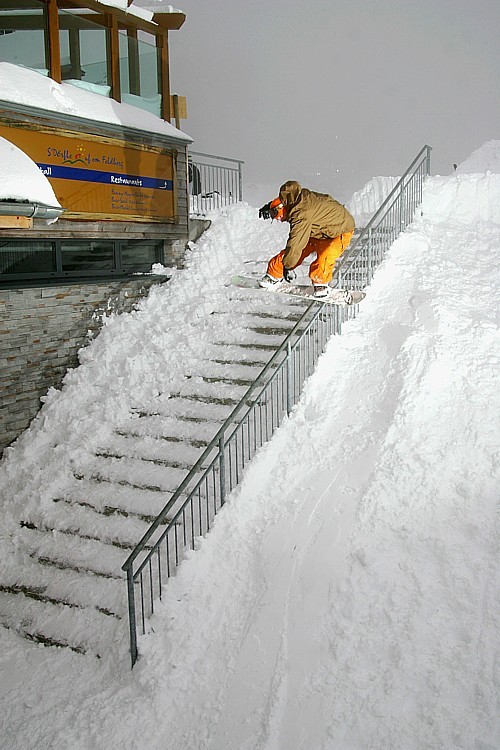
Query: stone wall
pixel 41 331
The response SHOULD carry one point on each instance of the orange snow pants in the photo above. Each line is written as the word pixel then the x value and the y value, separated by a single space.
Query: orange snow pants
pixel 321 269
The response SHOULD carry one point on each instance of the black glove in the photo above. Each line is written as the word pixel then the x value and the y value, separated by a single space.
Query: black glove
pixel 265 211
pixel 289 275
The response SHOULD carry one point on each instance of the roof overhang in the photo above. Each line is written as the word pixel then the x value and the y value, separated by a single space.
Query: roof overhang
pixel 161 23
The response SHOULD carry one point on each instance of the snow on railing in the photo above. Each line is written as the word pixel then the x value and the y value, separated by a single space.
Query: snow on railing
pixel 191 510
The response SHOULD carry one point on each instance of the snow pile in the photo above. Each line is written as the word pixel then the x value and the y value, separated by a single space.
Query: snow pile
pixel 29 88
pixel 484 159
pixel 366 201
pixel 22 180
pixel 118 374
pixel 470 194
pixel 346 596
pixel 464 198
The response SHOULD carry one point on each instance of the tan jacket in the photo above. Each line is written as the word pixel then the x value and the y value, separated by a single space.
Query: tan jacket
pixel 311 215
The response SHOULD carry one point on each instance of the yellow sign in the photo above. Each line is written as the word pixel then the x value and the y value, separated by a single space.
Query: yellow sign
pixel 101 178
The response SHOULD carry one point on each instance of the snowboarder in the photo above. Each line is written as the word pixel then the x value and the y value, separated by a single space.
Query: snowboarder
pixel 318 224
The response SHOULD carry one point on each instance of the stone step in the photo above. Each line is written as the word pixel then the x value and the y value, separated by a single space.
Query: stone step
pixel 52 623
pixel 133 472
pixel 83 589
pixel 71 591
pixel 62 551
pixel 167 450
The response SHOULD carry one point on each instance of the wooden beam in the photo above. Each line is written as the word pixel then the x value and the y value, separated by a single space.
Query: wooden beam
pixel 113 58
pixel 16 222
pixel 164 76
pixel 162 22
pixel 74 54
pixel 169 21
pixel 133 62
pixel 53 37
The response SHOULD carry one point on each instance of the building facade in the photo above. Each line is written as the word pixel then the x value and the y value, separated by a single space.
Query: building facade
pixel 85 94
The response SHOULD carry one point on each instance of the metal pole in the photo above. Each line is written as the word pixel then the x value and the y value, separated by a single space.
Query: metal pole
pixel 240 182
pixel 289 399
pixel 131 615
pixel 222 472
pixel 369 257
pixel 401 207
pixel 428 160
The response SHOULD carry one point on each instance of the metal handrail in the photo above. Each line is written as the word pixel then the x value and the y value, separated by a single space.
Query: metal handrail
pixel 214 181
pixel 219 444
pixel 253 421
pixel 393 216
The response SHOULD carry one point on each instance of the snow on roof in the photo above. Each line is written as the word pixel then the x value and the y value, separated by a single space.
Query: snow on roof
pixel 22 180
pixel 144 10
pixel 157 6
pixel 27 87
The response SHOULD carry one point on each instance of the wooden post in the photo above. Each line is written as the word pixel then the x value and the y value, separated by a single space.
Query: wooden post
pixel 164 76
pixel 54 46
pixel 176 111
pixel 74 54
pixel 113 56
pixel 179 109
pixel 133 62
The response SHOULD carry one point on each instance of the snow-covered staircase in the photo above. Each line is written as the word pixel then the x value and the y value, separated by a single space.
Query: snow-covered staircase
pixel 67 587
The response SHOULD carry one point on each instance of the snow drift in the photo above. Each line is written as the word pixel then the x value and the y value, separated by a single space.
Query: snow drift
pixel 346 597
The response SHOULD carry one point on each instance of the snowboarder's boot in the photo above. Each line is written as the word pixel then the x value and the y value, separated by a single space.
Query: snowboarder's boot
pixel 268 282
pixel 320 291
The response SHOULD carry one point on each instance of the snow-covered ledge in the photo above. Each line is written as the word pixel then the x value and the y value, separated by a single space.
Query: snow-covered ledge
pixel 24 190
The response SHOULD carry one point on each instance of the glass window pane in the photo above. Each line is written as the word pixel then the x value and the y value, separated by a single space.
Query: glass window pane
pixel 139 256
pixel 18 256
pixel 139 74
pixel 83 52
pixel 87 255
pixel 22 34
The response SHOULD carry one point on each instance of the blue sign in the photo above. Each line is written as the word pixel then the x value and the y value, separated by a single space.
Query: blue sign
pixel 106 178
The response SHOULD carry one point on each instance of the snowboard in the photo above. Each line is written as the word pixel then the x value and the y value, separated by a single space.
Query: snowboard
pixel 335 296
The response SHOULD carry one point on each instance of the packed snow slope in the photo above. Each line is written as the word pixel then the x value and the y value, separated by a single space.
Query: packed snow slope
pixel 346 596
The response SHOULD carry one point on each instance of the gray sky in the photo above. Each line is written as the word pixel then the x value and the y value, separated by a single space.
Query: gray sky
pixel 334 92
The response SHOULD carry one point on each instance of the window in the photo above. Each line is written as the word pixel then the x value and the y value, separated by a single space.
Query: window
pixel 22 34
pixel 53 260
pixel 84 53
pixel 139 256
pixel 139 64
pixel 21 257
pixel 87 255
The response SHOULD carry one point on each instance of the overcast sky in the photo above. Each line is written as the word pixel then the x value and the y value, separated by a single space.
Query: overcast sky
pixel 334 92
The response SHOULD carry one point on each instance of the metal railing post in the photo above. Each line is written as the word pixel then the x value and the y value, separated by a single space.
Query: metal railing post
pixel 428 161
pixel 131 615
pixel 289 379
pixel 240 182
pixel 222 470
pixel 401 207
pixel 369 256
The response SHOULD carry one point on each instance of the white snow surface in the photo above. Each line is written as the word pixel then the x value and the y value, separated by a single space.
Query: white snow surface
pixel 28 87
pixel 346 597
pixel 22 180
pixel 144 9
pixel 366 201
